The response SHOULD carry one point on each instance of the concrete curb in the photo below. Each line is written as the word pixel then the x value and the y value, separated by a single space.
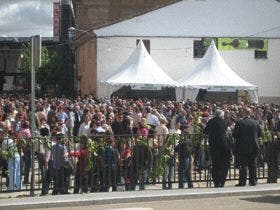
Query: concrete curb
pixel 135 196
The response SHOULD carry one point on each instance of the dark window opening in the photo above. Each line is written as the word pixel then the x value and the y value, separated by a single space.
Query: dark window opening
pixel 146 44
pixel 260 54
pixel 201 46
pixel 198 49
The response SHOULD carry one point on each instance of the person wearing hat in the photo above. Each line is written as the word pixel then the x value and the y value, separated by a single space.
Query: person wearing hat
pixel 13 158
pixel 143 129
pixel 152 120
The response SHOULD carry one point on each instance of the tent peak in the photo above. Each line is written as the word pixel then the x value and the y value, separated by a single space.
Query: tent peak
pixel 212 71
pixel 140 68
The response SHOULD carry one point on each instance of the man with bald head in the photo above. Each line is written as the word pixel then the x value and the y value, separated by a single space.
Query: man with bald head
pixel 216 129
pixel 246 133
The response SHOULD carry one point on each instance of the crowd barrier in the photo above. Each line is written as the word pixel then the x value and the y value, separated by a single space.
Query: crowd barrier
pixel 117 163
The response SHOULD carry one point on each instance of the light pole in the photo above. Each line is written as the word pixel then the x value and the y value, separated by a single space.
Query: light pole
pixel 35 64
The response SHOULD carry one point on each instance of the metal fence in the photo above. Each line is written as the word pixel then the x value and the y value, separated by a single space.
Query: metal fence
pixel 107 162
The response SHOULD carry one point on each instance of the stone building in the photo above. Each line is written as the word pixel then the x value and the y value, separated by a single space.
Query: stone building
pixel 93 14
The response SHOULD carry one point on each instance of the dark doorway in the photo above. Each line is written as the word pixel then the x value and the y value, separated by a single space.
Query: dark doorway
pixel 228 97
pixel 167 93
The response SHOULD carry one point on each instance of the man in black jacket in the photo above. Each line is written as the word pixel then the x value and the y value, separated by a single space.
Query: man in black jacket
pixel 246 132
pixel 216 129
pixel 141 162
pixel 183 149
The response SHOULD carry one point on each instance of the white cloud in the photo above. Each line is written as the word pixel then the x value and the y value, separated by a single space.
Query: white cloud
pixel 24 18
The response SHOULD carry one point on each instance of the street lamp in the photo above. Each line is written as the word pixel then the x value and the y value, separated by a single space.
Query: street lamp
pixel 72 32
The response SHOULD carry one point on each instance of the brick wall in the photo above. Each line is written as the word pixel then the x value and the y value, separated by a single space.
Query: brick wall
pixel 93 13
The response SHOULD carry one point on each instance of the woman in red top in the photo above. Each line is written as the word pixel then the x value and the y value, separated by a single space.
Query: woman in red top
pixel 81 174
pixel 126 169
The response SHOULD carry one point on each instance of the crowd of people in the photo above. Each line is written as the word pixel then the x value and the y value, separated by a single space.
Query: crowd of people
pixel 133 133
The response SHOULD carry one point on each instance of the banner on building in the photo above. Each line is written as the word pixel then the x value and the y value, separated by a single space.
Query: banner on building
pixel 146 87
pixel 207 42
pixel 242 44
pixel 56 21
pixel 221 89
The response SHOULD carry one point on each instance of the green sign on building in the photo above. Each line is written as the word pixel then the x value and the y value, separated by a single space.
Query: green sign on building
pixel 242 44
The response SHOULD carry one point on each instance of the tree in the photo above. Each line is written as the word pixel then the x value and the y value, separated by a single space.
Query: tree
pixel 49 75
pixel 26 59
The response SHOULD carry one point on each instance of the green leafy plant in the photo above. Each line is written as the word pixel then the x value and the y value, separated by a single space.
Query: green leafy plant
pixel 266 136
pixel 165 153
pixel 50 75
pixel 197 135
pixel 46 142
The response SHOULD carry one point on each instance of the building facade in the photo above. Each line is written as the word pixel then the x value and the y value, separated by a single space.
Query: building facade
pixel 11 58
pixel 93 14
pixel 177 57
pixel 10 62
pixel 178 35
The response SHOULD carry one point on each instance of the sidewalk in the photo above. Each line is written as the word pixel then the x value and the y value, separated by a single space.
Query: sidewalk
pixel 134 196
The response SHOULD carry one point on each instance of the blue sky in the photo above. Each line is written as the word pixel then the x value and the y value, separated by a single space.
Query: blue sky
pixel 24 18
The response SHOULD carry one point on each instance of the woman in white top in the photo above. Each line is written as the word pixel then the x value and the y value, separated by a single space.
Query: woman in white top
pixel 85 126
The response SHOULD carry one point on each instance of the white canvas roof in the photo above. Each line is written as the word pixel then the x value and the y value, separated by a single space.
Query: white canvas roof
pixel 139 69
pixel 212 73
pixel 204 18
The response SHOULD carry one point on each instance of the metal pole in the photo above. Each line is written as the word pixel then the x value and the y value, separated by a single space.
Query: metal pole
pixel 35 63
pixel 33 113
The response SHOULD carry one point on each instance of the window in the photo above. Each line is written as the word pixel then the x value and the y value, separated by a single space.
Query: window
pixel 260 47
pixel 260 54
pixel 198 49
pixel 146 44
pixel 201 46
pixel 2 61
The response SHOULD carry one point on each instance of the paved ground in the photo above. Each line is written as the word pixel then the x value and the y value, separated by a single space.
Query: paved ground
pixel 266 202
pixel 155 196
pixel 196 185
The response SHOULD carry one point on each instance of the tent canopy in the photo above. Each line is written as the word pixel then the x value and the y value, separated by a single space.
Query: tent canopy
pixel 213 74
pixel 139 69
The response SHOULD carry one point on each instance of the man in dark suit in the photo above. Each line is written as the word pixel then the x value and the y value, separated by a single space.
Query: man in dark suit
pixel 246 133
pixel 216 129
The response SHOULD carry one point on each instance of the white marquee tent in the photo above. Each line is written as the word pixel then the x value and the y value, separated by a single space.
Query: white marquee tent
pixel 139 70
pixel 213 74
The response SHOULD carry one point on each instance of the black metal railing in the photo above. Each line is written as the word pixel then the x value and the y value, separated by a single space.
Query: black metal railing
pixel 105 162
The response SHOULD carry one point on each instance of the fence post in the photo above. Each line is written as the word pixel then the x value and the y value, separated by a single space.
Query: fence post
pixel 32 169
